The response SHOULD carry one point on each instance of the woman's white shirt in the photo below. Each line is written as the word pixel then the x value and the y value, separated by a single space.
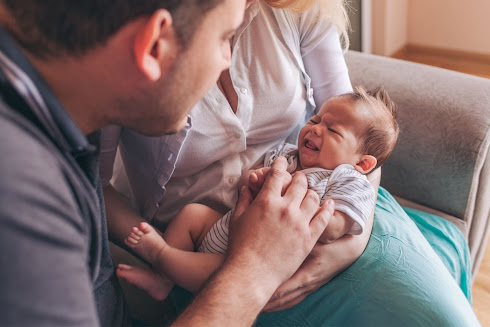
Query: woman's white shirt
pixel 278 58
pixel 272 100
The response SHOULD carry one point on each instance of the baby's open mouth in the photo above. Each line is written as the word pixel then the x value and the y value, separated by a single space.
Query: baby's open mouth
pixel 310 145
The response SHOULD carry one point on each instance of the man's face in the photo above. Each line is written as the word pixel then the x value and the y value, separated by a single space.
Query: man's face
pixel 330 137
pixel 163 108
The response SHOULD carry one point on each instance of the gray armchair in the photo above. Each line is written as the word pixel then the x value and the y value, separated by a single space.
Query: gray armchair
pixel 441 163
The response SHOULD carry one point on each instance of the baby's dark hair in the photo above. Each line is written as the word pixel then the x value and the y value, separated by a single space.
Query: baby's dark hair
pixel 381 133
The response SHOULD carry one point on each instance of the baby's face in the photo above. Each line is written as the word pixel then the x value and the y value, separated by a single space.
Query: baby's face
pixel 331 137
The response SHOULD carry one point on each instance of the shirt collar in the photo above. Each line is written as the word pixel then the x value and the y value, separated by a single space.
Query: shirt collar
pixel 249 15
pixel 30 85
pixel 252 10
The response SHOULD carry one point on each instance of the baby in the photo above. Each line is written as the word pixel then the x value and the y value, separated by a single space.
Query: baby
pixel 351 135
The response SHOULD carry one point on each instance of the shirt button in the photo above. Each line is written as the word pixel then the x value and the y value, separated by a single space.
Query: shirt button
pixel 238 135
pixel 231 180
pixel 244 90
pixel 218 100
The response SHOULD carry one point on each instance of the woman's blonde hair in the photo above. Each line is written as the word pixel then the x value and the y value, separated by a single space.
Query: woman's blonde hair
pixel 335 10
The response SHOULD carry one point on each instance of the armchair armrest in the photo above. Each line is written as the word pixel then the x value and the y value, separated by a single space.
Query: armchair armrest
pixel 441 163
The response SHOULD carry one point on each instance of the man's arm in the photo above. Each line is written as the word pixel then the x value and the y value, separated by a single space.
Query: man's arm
pixel 262 251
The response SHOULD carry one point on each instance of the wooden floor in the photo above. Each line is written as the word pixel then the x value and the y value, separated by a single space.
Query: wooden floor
pixel 455 60
pixel 481 291
pixel 481 287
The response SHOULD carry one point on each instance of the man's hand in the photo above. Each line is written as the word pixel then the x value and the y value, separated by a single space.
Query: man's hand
pixel 324 263
pixel 272 236
pixel 269 239
pixel 257 178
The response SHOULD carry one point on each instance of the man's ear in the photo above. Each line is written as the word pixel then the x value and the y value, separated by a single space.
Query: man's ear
pixel 152 42
pixel 365 164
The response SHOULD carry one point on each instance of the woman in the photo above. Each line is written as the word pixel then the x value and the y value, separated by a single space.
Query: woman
pixel 286 57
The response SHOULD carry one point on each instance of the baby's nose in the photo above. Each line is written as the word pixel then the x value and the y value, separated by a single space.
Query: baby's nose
pixel 316 130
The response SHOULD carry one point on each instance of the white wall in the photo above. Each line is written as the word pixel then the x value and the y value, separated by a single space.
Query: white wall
pixel 390 22
pixel 450 24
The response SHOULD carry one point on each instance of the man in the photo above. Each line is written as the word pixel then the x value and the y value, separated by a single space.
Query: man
pixel 68 68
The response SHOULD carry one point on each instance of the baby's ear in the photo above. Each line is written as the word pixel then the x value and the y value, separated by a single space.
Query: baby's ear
pixel 365 164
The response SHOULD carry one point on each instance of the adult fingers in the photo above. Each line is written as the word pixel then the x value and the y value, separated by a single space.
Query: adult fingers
pixel 253 178
pixel 262 175
pixel 297 190
pixel 310 204
pixel 321 219
pixel 276 177
pixel 286 303
pixel 292 292
pixel 287 182
pixel 287 292
pixel 244 200
pixel 253 183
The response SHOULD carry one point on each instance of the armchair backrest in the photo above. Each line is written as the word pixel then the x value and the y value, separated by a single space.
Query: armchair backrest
pixel 442 158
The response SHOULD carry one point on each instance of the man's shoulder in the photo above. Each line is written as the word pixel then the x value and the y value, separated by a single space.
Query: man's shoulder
pixel 31 166
pixel 22 145
pixel 42 230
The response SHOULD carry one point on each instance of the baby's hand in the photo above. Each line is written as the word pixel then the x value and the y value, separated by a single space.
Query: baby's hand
pixel 338 226
pixel 256 179
pixel 327 237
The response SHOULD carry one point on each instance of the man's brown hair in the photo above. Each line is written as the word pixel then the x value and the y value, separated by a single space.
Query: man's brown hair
pixel 51 28
pixel 379 137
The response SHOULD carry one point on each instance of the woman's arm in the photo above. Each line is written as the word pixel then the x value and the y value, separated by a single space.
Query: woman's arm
pixel 324 62
pixel 324 262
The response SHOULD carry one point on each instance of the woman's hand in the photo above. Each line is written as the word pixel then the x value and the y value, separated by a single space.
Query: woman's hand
pixel 324 262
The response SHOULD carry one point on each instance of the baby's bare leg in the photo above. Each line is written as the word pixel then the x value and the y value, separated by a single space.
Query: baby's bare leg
pixel 174 256
pixel 155 284
pixel 147 243
pixel 190 226
pixel 185 232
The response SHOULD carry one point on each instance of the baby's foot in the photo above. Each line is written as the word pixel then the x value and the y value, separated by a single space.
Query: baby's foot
pixel 156 285
pixel 146 242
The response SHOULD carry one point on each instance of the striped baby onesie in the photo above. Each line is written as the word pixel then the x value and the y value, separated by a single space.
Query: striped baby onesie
pixel 351 191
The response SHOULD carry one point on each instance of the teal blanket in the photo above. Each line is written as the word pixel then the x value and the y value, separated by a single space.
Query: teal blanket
pixel 415 271
pixel 449 244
